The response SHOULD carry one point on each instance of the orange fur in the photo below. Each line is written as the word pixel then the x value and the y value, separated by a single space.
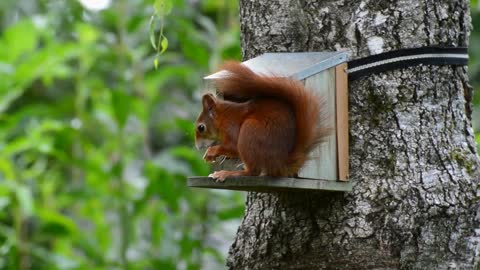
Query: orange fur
pixel 271 123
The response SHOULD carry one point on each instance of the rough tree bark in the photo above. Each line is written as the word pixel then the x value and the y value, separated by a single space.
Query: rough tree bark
pixel 413 156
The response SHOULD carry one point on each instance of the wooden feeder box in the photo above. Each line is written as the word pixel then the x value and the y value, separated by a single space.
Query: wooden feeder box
pixel 324 73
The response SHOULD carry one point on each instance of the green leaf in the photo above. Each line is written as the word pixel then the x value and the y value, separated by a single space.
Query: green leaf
pixel 4 202
pixel 187 126
pixel 121 106
pixel 56 224
pixel 231 213
pixel 18 145
pixel 155 62
pixel 25 199
pixel 152 31
pixel 20 38
pixel 7 170
pixel 161 183
pixel 473 4
pixel 47 63
pixel 214 253
pixel 164 44
pixel 86 33
pixel 7 98
pixel 164 264
pixel 163 7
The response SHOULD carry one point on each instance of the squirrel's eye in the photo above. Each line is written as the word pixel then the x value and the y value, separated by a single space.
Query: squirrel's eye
pixel 201 128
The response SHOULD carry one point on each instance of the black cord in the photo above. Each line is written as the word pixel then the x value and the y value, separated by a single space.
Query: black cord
pixel 406 58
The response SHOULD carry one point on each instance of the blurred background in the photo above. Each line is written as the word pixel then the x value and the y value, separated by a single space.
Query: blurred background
pixel 96 144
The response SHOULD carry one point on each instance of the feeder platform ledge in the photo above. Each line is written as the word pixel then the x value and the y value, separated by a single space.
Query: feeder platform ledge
pixel 269 184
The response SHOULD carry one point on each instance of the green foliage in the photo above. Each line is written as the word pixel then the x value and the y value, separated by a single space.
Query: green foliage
pixel 96 143
pixel 160 43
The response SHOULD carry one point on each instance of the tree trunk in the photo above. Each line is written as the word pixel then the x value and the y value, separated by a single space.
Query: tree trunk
pixel 412 152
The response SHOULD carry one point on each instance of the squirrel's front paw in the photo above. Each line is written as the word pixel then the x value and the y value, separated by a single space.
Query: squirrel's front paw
pixel 220 176
pixel 210 155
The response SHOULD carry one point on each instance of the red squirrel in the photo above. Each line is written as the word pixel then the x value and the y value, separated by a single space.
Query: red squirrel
pixel 270 123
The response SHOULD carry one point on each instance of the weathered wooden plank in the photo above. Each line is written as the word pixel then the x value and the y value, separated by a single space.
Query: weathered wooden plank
pixel 342 121
pixel 269 184
pixel 323 162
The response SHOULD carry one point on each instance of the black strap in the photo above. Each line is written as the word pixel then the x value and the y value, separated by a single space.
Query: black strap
pixel 406 58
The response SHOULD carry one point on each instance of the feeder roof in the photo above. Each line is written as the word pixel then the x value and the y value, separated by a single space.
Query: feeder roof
pixel 298 65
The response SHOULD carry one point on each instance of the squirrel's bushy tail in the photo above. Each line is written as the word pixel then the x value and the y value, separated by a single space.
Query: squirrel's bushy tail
pixel 241 83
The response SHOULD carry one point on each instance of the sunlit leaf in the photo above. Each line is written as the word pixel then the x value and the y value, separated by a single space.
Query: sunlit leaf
pixel 20 39
pixel 164 44
pixel 48 62
pixel 25 199
pixel 163 7
pixel 17 145
pixel 7 98
pixel 151 27
pixel 7 170
pixel 86 33
pixel 55 223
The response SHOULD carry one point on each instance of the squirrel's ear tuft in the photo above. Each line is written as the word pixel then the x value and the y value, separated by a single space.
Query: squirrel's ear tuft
pixel 208 101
